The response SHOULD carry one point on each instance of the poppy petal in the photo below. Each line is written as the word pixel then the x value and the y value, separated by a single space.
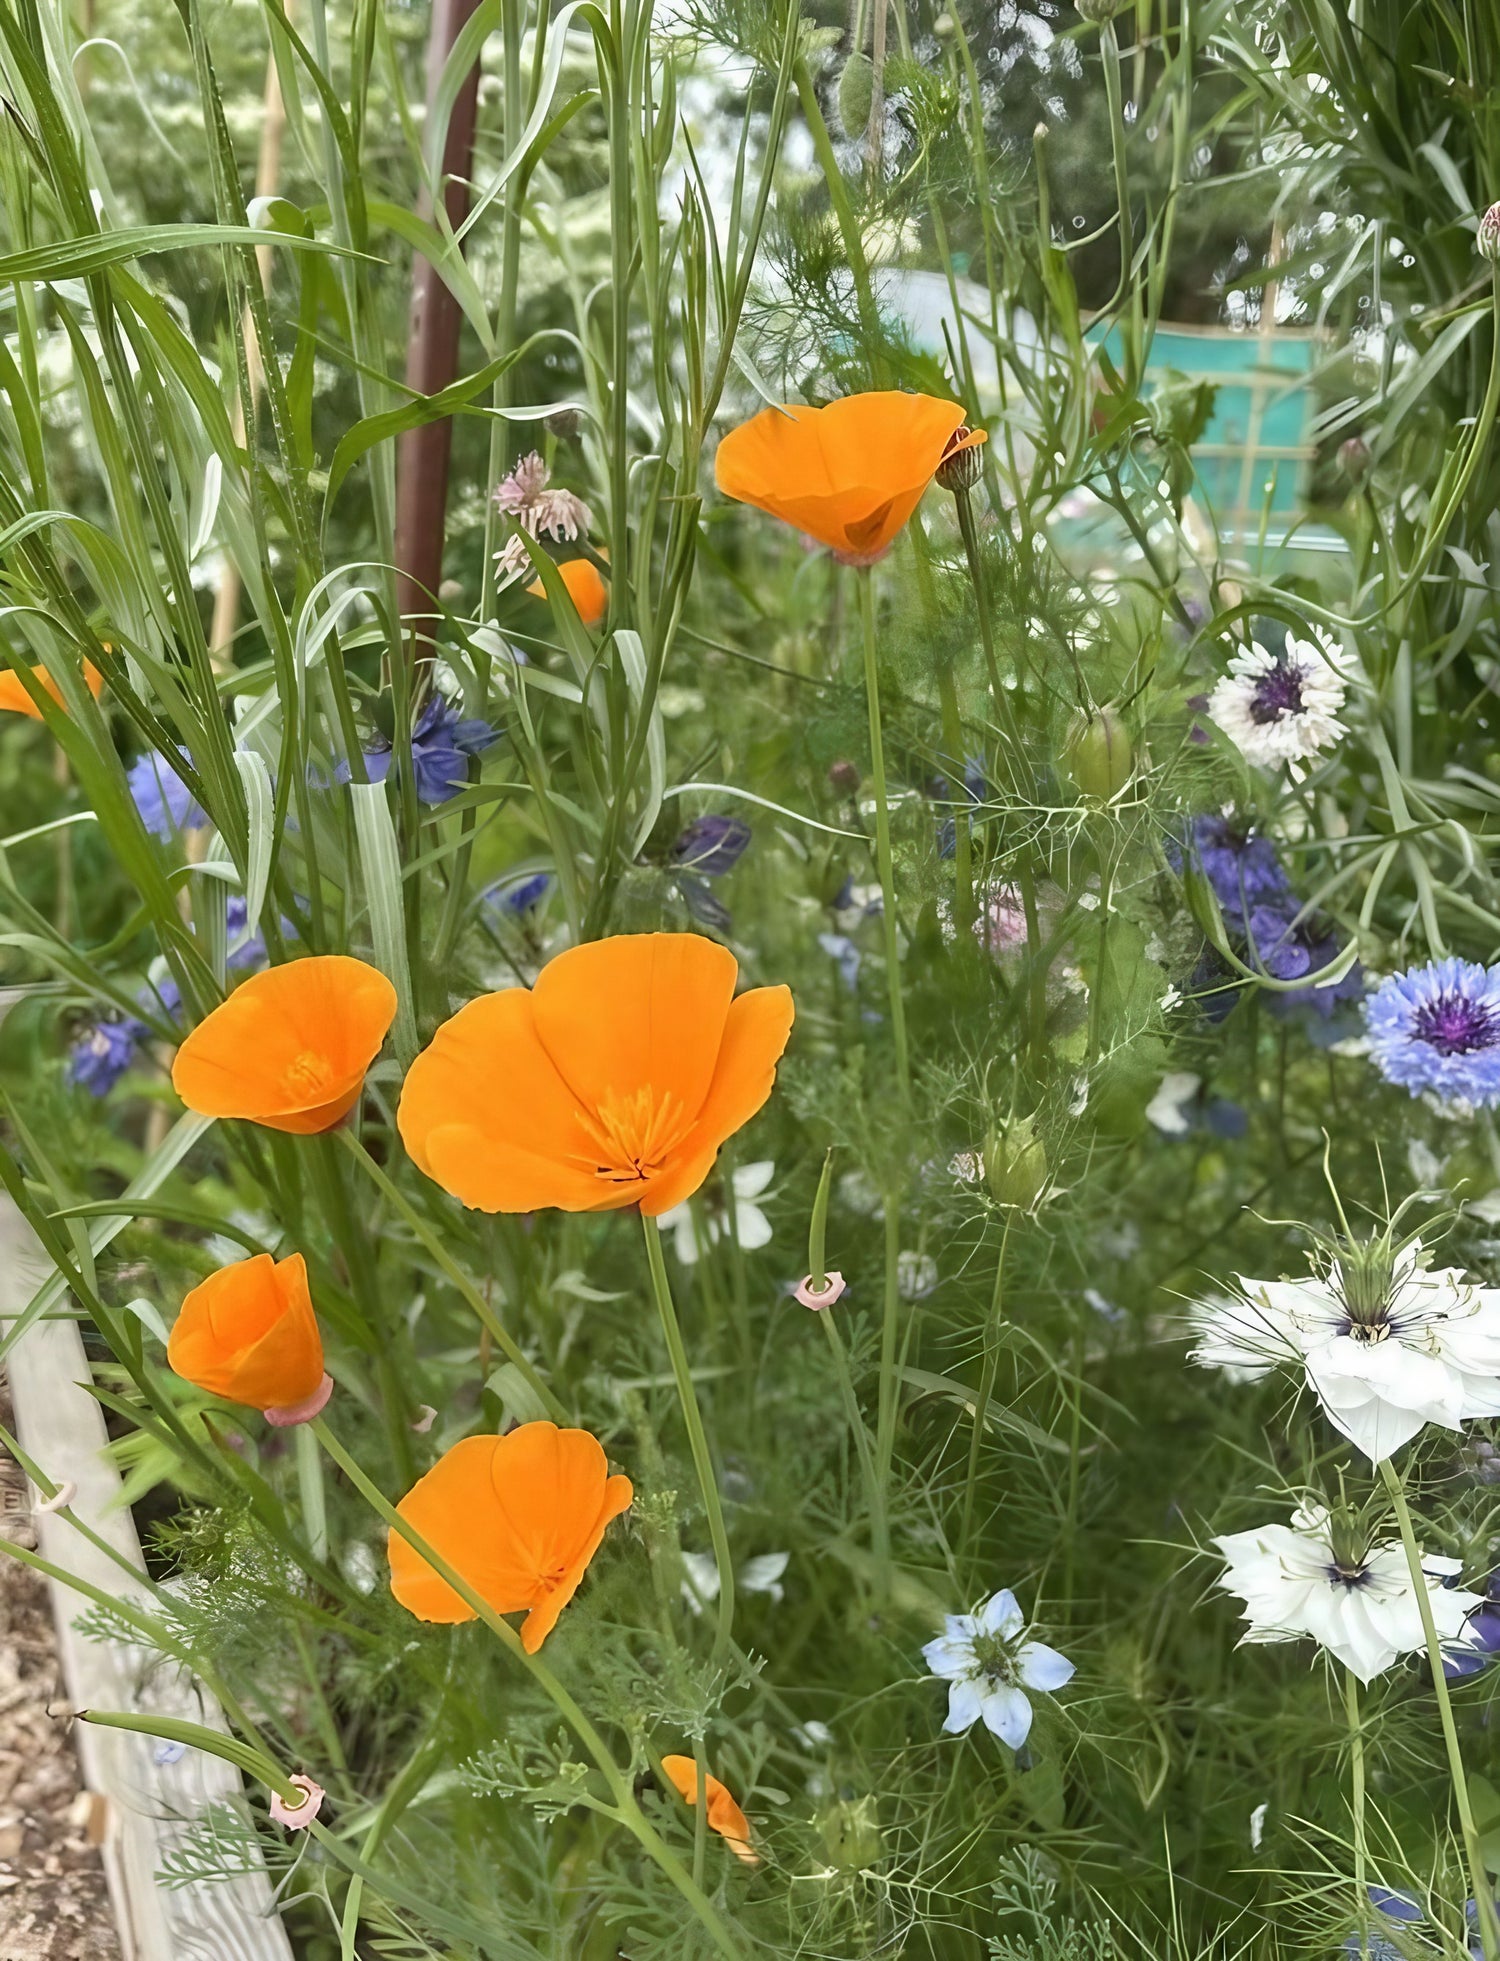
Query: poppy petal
pixel 484 1111
pixel 619 1495
pixel 756 1031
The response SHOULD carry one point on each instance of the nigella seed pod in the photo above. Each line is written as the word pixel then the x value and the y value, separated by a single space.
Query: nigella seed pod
pixel 1097 752
pixel 1097 12
pixel 1015 1164
pixel 1487 238
pixel 856 93
pixel 960 468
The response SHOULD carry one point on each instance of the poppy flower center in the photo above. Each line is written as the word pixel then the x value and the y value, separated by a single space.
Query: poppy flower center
pixel 309 1075
pixel 635 1132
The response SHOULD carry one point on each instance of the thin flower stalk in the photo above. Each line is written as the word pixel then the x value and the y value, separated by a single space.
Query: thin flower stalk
pixel 883 857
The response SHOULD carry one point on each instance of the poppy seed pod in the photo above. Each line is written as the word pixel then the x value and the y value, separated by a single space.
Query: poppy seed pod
pixel 1097 752
pixel 1015 1164
pixel 856 93
pixel 1487 238
pixel 249 1334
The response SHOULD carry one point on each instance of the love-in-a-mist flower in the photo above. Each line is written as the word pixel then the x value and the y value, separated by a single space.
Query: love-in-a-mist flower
pixel 612 1082
pixel 989 1665
pixel 849 475
pixel 15 700
pixel 1437 1028
pixel 517 1517
pixel 539 508
pixel 752 1229
pixel 1283 707
pixel 249 1334
pixel 1322 1578
pixel 724 1815
pixel 290 1047
pixel 1387 1344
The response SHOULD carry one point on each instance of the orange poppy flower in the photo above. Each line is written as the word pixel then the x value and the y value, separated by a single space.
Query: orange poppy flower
pixel 586 589
pixel 518 1517
pixel 612 1082
pixel 290 1047
pixel 849 475
pixel 724 1815
pixel 13 695
pixel 248 1333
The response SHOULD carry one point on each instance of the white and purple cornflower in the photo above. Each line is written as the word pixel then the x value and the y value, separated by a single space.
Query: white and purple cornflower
pixel 988 1667
pixel 442 741
pixel 165 803
pixel 1283 707
pixel 1438 1028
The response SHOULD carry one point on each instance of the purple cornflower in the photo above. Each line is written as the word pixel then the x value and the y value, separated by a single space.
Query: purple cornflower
pixel 442 741
pixel 1438 1027
pixel 165 802
pixel 711 845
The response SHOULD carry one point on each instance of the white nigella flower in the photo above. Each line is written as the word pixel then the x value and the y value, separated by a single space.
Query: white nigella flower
pixel 988 1668
pixel 527 495
pixel 1387 1344
pixel 1281 708
pixel 1319 1578
pixel 751 1226
pixel 759 1575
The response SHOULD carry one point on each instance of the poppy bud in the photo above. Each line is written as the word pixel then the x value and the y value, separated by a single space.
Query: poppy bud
pixel 960 468
pixel 844 776
pixel 856 93
pixel 1097 752
pixel 1354 459
pixel 248 1333
pixel 1015 1164
pixel 1487 238
pixel 1097 12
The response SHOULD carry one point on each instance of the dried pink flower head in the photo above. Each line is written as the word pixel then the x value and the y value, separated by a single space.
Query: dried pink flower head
pixel 541 511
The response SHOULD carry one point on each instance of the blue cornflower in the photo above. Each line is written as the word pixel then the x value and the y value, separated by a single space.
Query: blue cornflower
pixel 711 845
pixel 164 801
pixel 100 1058
pixel 442 740
pixel 1438 1027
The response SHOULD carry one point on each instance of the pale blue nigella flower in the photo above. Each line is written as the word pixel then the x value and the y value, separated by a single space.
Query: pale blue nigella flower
pixel 1438 1027
pixel 164 801
pixel 988 1668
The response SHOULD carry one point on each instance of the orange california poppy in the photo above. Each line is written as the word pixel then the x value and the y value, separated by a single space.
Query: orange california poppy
pixel 248 1333
pixel 290 1047
pixel 849 475
pixel 518 1517
pixel 13 695
pixel 586 589
pixel 724 1815
pixel 612 1082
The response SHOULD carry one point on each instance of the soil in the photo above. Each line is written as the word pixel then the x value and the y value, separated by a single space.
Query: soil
pixel 54 1905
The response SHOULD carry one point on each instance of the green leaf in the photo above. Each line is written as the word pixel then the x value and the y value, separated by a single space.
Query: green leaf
pixel 74 258
pixel 415 414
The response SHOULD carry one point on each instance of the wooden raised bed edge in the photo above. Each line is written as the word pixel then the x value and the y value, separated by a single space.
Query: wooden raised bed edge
pixel 146 1807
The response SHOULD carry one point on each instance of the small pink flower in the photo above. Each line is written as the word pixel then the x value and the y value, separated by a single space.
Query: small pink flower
pixel 298 1817
pixel 819 1297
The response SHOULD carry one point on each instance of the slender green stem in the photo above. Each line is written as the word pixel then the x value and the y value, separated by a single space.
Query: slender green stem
pixel 986 1383
pixel 874 1496
pixel 890 1322
pixel 310 1485
pixel 692 1416
pixel 1357 1793
pixel 883 858
pixel 626 1810
pixel 1489 1929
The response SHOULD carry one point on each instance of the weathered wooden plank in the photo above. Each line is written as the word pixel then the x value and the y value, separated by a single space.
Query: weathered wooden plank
pixel 149 1805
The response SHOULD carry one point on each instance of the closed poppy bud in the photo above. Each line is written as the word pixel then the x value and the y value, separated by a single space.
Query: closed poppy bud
pixel 612 1082
pixel 517 1517
pixel 248 1333
pixel 1487 238
pixel 962 466
pixel 585 587
pixel 290 1047
pixel 1015 1164
pixel 724 1815
pixel 849 475
pixel 15 700
pixel 856 93
pixel 1097 752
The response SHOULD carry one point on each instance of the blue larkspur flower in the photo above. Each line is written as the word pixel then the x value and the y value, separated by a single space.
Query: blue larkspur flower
pixel 522 896
pixel 704 903
pixel 1438 1027
pixel 165 802
pixel 711 845
pixel 99 1058
pixel 442 741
